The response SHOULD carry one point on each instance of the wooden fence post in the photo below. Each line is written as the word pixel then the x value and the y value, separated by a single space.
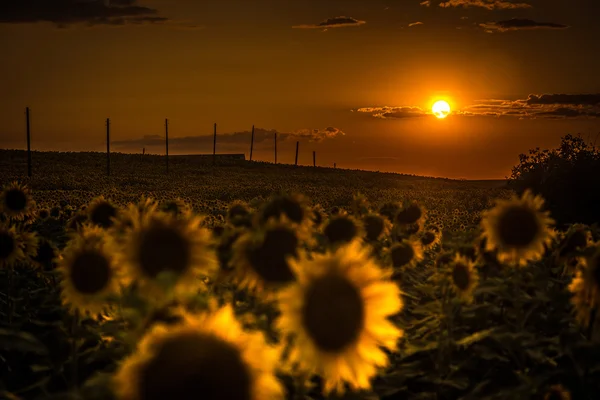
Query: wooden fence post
pixel 108 146
pixel 314 158
pixel 215 144
pixel 167 142
pixel 252 143
pixel 296 162
pixel 28 142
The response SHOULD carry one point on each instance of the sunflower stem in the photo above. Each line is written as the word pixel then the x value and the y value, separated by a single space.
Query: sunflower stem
pixel 74 325
pixel 9 302
pixel 592 323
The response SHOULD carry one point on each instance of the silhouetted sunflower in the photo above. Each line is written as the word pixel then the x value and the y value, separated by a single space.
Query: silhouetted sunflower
pixel 46 256
pixel 239 215
pixel 101 212
pixel 375 226
pixel 430 238
pixel 338 312
pixel 207 356
pixel 318 215
pixel 77 221
pixel 463 277
pixel 43 214
pixel 578 237
pixel 557 392
pixel 389 210
pixel 175 206
pixel 406 253
pixel 293 208
pixel 89 273
pixel 585 286
pixel 342 229
pixel 360 205
pixel 16 201
pixel 11 249
pixel 410 214
pixel 225 252
pixel 262 258
pixel 167 254
pixel 518 229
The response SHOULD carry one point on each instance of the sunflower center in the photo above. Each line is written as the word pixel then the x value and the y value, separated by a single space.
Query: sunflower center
pixel 333 312
pixel 237 211
pixel 45 253
pixel 7 245
pixel 102 214
pixel 269 259
pixel 192 366
pixel 163 248
pixel 409 215
pixel 15 200
pixel 373 226
pixel 577 240
pixel 518 226
pixel 90 272
pixel 402 254
pixel 428 238
pixel 340 230
pixel 171 207
pixel 461 276
pixel 284 205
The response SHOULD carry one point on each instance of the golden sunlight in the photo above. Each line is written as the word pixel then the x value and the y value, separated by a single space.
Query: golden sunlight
pixel 441 109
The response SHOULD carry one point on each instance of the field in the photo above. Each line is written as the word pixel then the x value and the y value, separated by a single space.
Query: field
pixel 477 318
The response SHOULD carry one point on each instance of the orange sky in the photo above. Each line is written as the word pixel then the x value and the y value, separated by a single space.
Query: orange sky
pixel 369 77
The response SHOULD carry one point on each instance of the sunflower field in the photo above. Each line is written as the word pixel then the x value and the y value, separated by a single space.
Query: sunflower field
pixel 255 281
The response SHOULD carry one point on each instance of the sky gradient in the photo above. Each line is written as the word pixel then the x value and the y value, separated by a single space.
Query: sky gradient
pixel 353 80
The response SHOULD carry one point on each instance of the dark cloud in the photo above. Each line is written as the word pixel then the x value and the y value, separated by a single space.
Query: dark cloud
pixel 516 24
pixel 487 4
pixel 231 141
pixel 534 106
pixel 67 12
pixel 336 22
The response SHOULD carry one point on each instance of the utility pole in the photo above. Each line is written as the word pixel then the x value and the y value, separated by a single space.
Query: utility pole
pixel 108 146
pixel 167 142
pixel 28 142
pixel 252 143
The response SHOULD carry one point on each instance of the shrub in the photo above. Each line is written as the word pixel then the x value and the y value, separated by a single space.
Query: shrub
pixel 568 177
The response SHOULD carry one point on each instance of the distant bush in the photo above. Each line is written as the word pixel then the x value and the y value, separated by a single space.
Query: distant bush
pixel 568 178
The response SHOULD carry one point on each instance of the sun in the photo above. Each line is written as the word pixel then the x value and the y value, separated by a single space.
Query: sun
pixel 441 109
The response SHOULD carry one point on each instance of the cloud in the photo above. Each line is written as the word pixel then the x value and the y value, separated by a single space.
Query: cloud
pixel 67 12
pixel 534 106
pixel 487 4
pixel 426 3
pixel 232 140
pixel 336 22
pixel 519 24
pixel 415 24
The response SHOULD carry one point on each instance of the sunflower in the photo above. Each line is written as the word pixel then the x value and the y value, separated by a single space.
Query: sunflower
pixel 16 201
pixel 463 277
pixel 225 252
pixel 46 255
pixel 89 273
pixel 389 210
pixel 293 208
pixel 578 237
pixel 518 229
pixel 262 258
pixel 360 204
pixel 338 311
pixel 557 392
pixel 28 242
pixel 163 252
pixel 342 229
pixel 410 214
pixel 375 226
pixel 175 206
pixel 585 286
pixel 406 253
pixel 206 356
pixel 11 250
pixel 430 238
pixel 77 221
pixel 102 212
pixel 318 215
pixel 238 214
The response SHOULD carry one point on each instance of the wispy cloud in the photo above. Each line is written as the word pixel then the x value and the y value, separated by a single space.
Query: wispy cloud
pixel 487 4
pixel 534 106
pixel 517 24
pixel 336 22
pixel 426 3
pixel 67 12
pixel 231 140
pixel 415 24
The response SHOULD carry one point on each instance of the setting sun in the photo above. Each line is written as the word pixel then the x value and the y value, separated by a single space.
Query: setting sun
pixel 441 109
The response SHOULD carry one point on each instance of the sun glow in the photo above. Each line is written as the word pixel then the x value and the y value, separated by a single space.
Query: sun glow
pixel 441 109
